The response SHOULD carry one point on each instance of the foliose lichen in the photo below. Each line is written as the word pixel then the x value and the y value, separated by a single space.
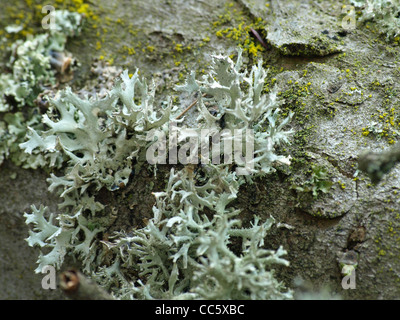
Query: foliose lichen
pixel 193 247
pixel 31 70
pixel 385 13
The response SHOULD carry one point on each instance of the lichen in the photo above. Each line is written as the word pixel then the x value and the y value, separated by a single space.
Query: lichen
pixel 185 251
pixel 232 24
pixel 384 13
pixel 318 182
pixel 32 68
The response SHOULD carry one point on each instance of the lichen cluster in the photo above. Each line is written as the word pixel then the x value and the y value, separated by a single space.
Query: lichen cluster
pixel 31 70
pixel 384 13
pixel 98 139
pixel 194 246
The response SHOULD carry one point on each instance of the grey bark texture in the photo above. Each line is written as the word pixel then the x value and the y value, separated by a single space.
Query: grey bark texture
pixel 307 46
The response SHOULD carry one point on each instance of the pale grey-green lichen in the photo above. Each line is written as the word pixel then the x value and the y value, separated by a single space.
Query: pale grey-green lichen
pixel 186 250
pixel 30 72
pixel 98 139
pixel 241 109
pixel 385 13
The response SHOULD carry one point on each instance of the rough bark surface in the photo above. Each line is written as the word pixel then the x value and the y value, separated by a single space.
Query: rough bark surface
pixel 351 84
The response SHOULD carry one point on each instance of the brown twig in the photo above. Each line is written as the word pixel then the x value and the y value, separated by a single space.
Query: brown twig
pixel 76 286
pixel 258 37
pixel 188 108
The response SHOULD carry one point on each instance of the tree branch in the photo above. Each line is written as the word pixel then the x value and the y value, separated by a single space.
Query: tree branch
pixel 376 165
pixel 78 287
